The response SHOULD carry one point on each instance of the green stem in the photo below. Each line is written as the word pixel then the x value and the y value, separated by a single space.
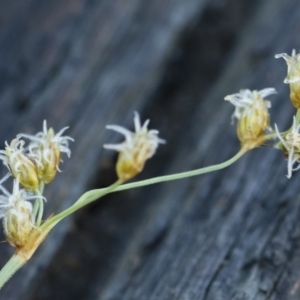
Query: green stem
pixel 41 211
pixel 41 190
pixel 38 214
pixel 92 195
pixel 77 205
pixel 174 176
pixel 10 268
pixel 36 207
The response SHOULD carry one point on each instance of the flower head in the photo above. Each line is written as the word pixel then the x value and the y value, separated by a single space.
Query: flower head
pixel 136 149
pixel 293 63
pixel 290 144
pixel 20 165
pixel 45 150
pixel 293 75
pixel 16 212
pixel 251 110
pixel 246 99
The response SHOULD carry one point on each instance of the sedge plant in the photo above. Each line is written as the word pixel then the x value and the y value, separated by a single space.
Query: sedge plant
pixel 32 162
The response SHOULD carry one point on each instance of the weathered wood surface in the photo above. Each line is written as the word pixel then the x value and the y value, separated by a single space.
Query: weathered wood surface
pixel 231 235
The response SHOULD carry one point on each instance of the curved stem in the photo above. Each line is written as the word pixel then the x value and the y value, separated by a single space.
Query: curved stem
pixel 54 220
pixel 10 268
pixel 178 175
pixel 92 195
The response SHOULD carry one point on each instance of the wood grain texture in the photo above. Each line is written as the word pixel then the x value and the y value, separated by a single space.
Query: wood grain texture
pixel 229 235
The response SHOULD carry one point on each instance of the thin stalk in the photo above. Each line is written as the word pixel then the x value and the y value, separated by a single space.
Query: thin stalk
pixel 41 190
pixel 35 208
pixel 77 205
pixel 176 176
pixel 10 268
pixel 95 194
pixel 92 195
pixel 39 213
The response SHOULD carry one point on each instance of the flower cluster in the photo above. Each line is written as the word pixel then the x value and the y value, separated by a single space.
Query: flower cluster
pixel 38 162
pixel 16 211
pixel 20 165
pixel 45 150
pixel 31 167
pixel 136 149
pixel 289 141
pixel 251 110
pixel 35 164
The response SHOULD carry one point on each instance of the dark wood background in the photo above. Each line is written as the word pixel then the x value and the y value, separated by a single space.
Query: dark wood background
pixel 230 235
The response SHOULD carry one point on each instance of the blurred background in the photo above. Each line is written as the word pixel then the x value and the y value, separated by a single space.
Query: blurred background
pixel 89 63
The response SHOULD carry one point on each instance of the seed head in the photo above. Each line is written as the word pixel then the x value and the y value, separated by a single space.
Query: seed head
pixel 136 149
pixel 293 75
pixel 251 110
pixel 45 150
pixel 16 212
pixel 20 165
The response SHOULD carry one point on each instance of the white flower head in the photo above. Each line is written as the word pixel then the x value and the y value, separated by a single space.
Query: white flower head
pixel 291 147
pixel 45 149
pixel 16 212
pixel 19 164
pixel 293 76
pixel 293 63
pixel 136 149
pixel 246 99
pixel 251 110
pixel 48 136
